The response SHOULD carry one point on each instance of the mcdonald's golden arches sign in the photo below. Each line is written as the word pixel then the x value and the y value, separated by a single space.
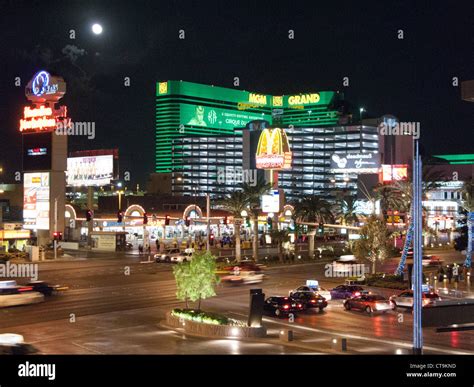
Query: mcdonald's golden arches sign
pixel 273 150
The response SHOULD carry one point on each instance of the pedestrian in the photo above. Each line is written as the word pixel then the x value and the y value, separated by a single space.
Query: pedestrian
pixel 222 243
pixel 450 273
pixel 440 274
pixel 140 249
pixel 149 249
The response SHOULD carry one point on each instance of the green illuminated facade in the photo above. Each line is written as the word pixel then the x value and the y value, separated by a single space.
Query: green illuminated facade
pixel 185 109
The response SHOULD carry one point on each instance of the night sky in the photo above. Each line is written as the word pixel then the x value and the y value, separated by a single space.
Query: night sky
pixel 409 78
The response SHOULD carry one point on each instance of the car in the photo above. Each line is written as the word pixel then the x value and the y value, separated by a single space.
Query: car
pixel 183 257
pixel 310 300
pixel 244 266
pixel 312 289
pixel 347 258
pixel 244 277
pixel 281 306
pixel 346 291
pixel 13 297
pixel 45 288
pixel 166 255
pixel 14 344
pixel 369 303
pixel 405 299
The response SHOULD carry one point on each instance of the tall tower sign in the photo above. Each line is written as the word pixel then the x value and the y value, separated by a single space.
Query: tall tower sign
pixel 44 156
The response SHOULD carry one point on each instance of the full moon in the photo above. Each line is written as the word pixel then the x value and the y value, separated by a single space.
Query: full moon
pixel 97 29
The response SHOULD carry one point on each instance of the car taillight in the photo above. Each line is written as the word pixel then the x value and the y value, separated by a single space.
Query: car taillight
pixel 286 306
pixel 25 289
pixel 313 301
pixel 356 294
pixel 300 306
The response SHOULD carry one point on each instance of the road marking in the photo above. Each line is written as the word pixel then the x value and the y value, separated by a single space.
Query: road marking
pixel 87 349
pixel 356 337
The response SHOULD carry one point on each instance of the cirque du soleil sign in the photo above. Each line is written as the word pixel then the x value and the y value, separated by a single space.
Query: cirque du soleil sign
pixel 273 150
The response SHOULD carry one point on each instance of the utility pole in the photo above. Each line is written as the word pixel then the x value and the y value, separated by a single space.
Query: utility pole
pixel 417 253
pixel 55 242
pixel 208 222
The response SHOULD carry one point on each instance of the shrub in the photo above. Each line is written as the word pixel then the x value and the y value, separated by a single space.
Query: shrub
pixel 203 317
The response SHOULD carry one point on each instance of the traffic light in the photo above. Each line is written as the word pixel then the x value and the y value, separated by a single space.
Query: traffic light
pixel 167 220
pixel 145 218
pixel 88 215
pixel 58 236
pixel 269 223
pixel 187 221
pixel 211 239
pixel 119 216
pixel 321 228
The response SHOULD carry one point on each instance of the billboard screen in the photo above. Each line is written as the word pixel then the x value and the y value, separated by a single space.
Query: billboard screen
pixel 90 171
pixel 36 200
pixel 394 172
pixel 273 150
pixel 271 202
pixel 37 151
pixel 213 117
pixel 355 162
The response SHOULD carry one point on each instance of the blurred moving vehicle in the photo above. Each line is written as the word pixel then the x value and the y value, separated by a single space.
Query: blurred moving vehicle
pixel 281 306
pixel 405 299
pixel 166 255
pixel 182 257
pixel 14 344
pixel 13 296
pixel 346 291
pixel 244 277
pixel 312 286
pixel 370 303
pixel 45 288
pixel 310 300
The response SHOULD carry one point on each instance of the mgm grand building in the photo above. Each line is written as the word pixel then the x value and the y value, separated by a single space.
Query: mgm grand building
pixel 207 141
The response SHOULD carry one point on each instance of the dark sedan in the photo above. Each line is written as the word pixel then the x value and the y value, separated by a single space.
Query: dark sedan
pixel 45 288
pixel 280 306
pixel 310 300
pixel 346 291
pixel 369 303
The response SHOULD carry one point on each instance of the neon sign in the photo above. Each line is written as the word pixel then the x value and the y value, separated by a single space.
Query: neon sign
pixel 394 172
pixel 258 98
pixel 45 87
pixel 43 119
pixel 303 99
pixel 37 152
pixel 273 150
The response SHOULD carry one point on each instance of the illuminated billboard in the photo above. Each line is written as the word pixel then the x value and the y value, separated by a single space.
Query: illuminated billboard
pixel 271 202
pixel 355 162
pixel 273 150
pixel 90 171
pixel 36 200
pixel 37 151
pixel 394 172
pixel 213 117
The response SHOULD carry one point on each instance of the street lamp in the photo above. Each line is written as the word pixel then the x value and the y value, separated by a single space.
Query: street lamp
pixel 361 110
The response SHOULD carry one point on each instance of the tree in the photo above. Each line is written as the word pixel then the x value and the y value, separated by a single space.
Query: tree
pixel 280 237
pixel 236 202
pixel 196 280
pixel 346 210
pixel 312 209
pixel 253 194
pixel 374 243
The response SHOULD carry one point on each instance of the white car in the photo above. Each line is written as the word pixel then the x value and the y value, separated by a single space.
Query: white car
pixel 13 297
pixel 405 299
pixel 181 257
pixel 312 289
pixel 245 277
pixel 167 255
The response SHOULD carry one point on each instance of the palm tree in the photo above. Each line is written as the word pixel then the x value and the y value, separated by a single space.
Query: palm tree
pixel 235 202
pixel 280 237
pixel 312 209
pixel 346 211
pixel 253 194
pixel 468 206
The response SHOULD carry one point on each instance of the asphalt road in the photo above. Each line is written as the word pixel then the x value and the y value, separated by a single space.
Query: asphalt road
pixel 116 305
